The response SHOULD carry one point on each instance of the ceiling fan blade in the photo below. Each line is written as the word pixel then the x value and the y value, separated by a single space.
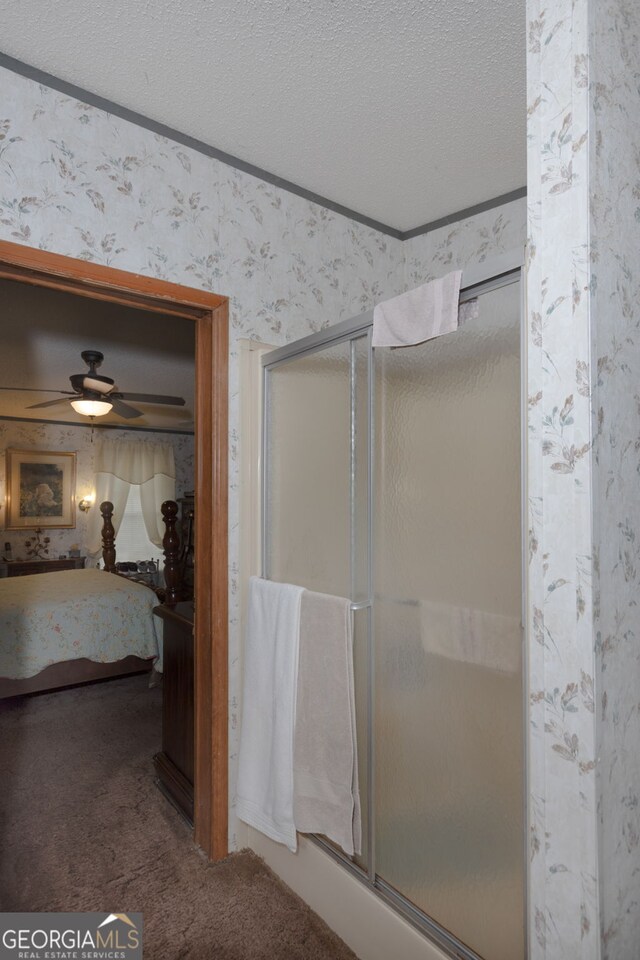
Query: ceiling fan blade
pixel 123 409
pixel 38 390
pixel 48 403
pixel 150 398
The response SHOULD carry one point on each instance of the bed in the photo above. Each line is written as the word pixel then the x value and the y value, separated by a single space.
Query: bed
pixel 73 626
pixel 61 620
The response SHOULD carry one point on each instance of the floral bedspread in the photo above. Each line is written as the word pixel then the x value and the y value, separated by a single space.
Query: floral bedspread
pixel 52 617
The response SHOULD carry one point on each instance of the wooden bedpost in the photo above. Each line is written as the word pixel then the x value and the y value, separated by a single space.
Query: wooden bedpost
pixel 108 537
pixel 171 547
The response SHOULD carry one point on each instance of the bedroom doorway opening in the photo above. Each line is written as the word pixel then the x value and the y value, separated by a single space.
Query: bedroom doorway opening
pixel 209 313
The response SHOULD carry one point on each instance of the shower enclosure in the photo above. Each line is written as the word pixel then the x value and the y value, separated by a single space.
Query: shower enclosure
pixel 394 477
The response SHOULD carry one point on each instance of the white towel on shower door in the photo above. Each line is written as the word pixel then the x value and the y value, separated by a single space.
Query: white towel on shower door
pixel 325 765
pixel 265 774
pixel 429 311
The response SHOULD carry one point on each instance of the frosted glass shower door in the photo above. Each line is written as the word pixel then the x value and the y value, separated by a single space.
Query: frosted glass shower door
pixel 317 504
pixel 448 693
pixel 308 464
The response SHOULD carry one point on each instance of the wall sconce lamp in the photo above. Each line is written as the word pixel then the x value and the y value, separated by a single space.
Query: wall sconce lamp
pixel 85 504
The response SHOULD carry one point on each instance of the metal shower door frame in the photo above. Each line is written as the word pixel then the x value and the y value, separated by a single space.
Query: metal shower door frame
pixel 478 279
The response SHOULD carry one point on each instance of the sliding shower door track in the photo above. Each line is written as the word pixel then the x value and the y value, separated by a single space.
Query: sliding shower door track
pixel 417 918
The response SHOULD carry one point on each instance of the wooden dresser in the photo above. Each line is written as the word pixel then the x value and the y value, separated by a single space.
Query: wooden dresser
pixel 24 568
pixel 174 764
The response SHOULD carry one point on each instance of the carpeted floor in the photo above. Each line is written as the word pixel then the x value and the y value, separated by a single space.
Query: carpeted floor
pixel 83 827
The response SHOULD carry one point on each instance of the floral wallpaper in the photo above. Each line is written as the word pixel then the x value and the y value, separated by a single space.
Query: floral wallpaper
pixel 563 911
pixel 584 363
pixel 39 435
pixel 468 241
pixel 615 282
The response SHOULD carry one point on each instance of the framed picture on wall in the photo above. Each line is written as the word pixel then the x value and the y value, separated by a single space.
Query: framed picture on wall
pixel 41 488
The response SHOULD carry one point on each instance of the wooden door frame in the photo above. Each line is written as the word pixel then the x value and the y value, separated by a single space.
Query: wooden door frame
pixel 211 315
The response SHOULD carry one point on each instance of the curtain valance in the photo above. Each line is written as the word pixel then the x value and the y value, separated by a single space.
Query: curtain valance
pixel 135 461
pixel 121 464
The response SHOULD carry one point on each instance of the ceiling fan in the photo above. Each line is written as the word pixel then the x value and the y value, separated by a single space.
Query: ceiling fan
pixel 94 395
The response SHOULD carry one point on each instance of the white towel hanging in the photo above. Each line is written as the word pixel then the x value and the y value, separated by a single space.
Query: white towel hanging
pixel 424 313
pixel 265 763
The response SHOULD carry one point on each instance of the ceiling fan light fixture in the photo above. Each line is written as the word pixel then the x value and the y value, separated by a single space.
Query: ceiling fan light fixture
pixel 95 395
pixel 91 408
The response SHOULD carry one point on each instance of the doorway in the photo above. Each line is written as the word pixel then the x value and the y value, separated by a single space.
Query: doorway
pixel 210 313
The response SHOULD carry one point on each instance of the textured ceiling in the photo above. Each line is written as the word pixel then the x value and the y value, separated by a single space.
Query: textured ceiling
pixel 405 111
pixel 43 332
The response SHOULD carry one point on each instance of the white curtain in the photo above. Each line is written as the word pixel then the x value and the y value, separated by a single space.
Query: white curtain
pixel 121 463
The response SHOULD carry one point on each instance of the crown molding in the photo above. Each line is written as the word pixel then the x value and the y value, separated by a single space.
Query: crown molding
pixel 117 110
